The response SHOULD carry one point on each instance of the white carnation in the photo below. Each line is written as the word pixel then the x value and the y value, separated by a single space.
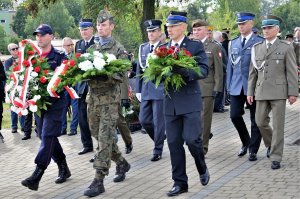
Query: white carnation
pixel 99 63
pixel 19 88
pixel 86 65
pixel 21 77
pixel 33 108
pixel 98 54
pixel 24 112
pixel 110 57
pixel 36 97
pixel 86 55
pixel 36 88
pixel 34 74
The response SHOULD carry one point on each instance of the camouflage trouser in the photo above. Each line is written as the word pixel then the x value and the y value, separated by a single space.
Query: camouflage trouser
pixel 102 122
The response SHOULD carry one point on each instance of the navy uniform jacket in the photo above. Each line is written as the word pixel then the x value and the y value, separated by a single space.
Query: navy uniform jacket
pixel 148 89
pixel 50 123
pixel 238 64
pixel 81 48
pixel 188 98
pixel 8 63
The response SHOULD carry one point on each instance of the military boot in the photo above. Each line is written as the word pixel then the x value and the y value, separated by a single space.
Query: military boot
pixel 63 172
pixel 95 188
pixel 33 181
pixel 121 170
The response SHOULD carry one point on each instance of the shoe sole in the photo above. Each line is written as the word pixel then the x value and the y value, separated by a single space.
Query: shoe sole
pixel 64 180
pixel 171 195
pixel 93 195
pixel 34 188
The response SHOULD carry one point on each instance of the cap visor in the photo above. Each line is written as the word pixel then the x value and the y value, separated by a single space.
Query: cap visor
pixel 240 22
pixel 268 26
pixel 152 28
pixel 174 24
pixel 39 32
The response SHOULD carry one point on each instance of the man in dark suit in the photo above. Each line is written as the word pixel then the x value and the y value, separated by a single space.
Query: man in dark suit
pixel 182 108
pixel 151 98
pixel 86 31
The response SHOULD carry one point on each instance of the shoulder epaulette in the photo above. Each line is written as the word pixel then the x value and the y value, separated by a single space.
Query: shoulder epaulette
pixel 285 42
pixel 195 40
pixel 214 41
pixel 260 42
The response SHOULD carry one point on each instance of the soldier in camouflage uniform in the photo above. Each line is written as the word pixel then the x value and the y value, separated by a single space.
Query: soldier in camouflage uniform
pixel 103 101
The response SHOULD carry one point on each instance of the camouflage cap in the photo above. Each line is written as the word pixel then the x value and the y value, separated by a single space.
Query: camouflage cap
pixel 103 16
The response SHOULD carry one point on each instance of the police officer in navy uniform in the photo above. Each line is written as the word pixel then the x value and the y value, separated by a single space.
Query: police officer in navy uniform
pixel 49 124
pixel 151 98
pixel 182 108
pixel 239 58
pixel 86 31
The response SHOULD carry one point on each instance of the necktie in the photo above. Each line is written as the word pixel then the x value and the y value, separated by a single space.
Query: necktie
pixel 269 46
pixel 151 48
pixel 244 41
pixel 86 44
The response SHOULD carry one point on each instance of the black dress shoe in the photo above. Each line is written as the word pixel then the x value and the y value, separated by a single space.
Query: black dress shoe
pixel 243 151
pixel 155 158
pixel 204 178
pixel 85 150
pixel 252 157
pixel 176 190
pixel 14 130
pixel 211 135
pixel 275 165
pixel 72 132
pixel 143 131
pixel 129 148
pixel 92 160
pixel 268 152
pixel 26 137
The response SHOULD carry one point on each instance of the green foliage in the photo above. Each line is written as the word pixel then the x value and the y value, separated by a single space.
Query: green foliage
pixel 3 41
pixel 289 12
pixel 19 21
pixel 74 8
pixel 55 15
pixel 6 4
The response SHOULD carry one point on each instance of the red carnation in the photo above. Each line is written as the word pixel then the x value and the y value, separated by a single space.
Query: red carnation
pixel 187 52
pixel 72 63
pixel 26 63
pixel 30 52
pixel 37 69
pixel 65 61
pixel 46 72
pixel 43 79
pixel 77 55
pixel 24 42
pixel 16 68
pixel 33 61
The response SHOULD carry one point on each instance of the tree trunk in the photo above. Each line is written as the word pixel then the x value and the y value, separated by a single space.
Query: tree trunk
pixel 148 13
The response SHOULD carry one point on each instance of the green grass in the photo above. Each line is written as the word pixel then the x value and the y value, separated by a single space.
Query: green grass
pixel 6 116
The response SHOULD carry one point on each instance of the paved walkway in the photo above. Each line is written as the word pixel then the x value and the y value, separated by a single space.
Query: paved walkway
pixel 231 176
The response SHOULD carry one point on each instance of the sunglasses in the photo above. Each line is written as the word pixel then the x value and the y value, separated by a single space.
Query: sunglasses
pixel 13 49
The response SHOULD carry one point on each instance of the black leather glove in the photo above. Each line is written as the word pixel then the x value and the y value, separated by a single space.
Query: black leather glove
pixel 100 78
pixel 125 103
pixel 179 70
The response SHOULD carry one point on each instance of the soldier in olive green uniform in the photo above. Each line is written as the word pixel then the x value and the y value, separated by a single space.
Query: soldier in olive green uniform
pixel 272 80
pixel 213 83
pixel 103 103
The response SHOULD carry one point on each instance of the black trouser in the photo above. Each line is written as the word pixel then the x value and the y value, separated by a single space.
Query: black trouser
pixel 184 129
pixel 2 97
pixel 85 132
pixel 237 110
pixel 28 124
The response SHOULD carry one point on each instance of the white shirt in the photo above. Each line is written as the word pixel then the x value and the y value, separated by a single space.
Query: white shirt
pixel 247 37
pixel 179 42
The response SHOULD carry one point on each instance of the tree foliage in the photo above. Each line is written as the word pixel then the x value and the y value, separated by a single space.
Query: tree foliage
pixel 289 12
pixel 3 41
pixel 6 4
pixel 55 15
pixel 19 21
